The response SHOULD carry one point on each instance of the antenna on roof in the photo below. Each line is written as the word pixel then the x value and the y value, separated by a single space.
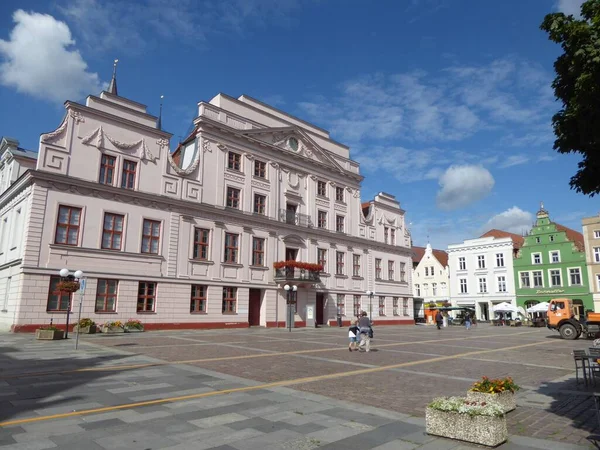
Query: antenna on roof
pixel 159 122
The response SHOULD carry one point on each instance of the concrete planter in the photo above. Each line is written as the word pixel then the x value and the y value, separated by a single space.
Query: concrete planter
pixel 484 430
pixel 133 330
pixel 505 399
pixel 85 330
pixel 113 330
pixel 49 335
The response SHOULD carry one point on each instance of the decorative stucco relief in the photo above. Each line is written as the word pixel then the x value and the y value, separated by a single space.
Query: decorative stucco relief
pixel 99 134
pixel 260 185
pixel 230 176
pixel 320 202
pixel 341 208
pixel 77 117
pixel 56 134
pixel 192 167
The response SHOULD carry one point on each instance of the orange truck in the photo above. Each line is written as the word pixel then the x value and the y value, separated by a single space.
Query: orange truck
pixel 562 318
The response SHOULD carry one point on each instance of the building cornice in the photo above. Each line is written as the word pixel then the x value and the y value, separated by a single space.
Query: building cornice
pixel 229 216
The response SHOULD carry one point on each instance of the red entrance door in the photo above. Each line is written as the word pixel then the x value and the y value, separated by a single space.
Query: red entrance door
pixel 254 307
pixel 320 306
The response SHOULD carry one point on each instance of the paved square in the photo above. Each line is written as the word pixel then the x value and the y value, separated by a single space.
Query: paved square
pixel 270 388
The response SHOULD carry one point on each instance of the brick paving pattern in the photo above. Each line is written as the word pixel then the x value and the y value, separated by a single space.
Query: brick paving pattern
pixel 382 409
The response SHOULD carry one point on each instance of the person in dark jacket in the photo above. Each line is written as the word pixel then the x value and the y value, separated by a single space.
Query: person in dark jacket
pixel 439 320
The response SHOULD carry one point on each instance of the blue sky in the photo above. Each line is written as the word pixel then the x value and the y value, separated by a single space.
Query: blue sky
pixel 445 103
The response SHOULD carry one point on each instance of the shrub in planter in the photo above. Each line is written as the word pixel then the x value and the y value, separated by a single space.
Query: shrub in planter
pixel 466 420
pixel 113 327
pixel 499 390
pixel 86 326
pixel 49 333
pixel 133 325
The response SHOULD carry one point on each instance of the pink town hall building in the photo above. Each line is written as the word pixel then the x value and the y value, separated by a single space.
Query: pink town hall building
pixel 252 201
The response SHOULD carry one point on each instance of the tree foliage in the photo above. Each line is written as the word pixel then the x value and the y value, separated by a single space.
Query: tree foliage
pixel 577 86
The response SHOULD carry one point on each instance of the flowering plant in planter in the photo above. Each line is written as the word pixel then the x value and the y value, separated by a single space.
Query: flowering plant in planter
pixel 115 324
pixel 298 265
pixel 495 386
pixel 86 322
pixel 465 406
pixel 134 323
pixel 68 286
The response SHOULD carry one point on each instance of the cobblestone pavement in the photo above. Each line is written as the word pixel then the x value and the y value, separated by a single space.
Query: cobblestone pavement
pixel 274 389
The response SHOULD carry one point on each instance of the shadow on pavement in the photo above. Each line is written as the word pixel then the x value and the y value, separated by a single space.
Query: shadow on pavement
pixel 30 383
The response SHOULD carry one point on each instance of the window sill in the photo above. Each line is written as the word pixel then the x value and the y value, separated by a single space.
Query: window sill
pixel 105 312
pixel 322 197
pixel 356 277
pixel 234 171
pixel 324 274
pixel 339 275
pixel 146 312
pixel 231 264
pixel 262 179
pixel 340 202
pixel 102 251
pixel 198 313
pixel 229 313
pixel 259 267
pixel 202 261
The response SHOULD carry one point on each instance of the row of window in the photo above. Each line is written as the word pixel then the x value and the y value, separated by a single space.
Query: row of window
pixel 535 278
pixel 481 261
pixel 340 258
pixel 434 289
pixel 107 293
pixel 234 162
pixel 483 285
pixel 108 172
pixel 357 306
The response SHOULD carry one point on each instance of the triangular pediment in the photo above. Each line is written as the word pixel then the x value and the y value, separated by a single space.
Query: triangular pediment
pixel 296 141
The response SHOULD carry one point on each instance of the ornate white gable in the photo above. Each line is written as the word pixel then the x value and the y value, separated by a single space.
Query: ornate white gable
pixel 294 140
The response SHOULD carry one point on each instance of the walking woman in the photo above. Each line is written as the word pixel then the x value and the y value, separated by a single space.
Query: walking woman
pixel 467 321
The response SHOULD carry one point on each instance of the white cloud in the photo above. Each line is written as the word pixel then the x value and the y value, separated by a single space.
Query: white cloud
pixel 460 186
pixel 513 220
pixel 514 160
pixel 39 60
pixel 570 7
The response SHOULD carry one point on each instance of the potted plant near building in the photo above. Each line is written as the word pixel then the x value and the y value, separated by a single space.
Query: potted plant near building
pixel 466 420
pixel 113 327
pixel 68 286
pixel 133 326
pixel 500 391
pixel 86 326
pixel 49 333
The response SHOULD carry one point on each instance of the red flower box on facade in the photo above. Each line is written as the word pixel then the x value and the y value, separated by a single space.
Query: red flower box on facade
pixel 298 265
pixel 68 286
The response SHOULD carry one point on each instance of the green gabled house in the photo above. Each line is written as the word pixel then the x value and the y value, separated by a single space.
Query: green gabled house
pixel 551 264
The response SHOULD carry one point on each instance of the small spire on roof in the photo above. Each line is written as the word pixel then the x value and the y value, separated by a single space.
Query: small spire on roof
pixel 159 122
pixel 112 87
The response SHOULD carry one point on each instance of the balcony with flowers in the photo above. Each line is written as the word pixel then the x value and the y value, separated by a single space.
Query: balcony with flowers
pixel 297 271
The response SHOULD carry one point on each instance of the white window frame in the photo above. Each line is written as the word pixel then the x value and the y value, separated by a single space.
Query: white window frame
pixel 580 276
pixel 521 280
pixel 533 255
pixel 418 290
pixel 541 272
pixel 598 281
pixel 596 234
pixel 501 257
pixel 460 286
pixel 480 260
pixel 462 261
pixel 596 254
pixel 550 260
pixel 482 281
pixel 550 283
pixel 501 283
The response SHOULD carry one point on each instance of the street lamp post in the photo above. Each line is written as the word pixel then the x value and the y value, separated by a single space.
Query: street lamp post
pixel 65 275
pixel 370 294
pixel 291 300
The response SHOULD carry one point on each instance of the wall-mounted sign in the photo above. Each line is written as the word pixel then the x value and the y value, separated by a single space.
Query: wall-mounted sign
pixel 310 312
pixel 550 291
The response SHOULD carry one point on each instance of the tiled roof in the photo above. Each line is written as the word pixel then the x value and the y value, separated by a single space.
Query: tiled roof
pixel 517 240
pixel 419 252
pixel 573 236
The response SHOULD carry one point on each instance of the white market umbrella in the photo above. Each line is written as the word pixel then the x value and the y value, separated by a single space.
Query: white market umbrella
pixel 540 307
pixel 505 307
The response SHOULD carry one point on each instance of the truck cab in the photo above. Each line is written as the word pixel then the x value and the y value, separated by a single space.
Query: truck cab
pixel 561 317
